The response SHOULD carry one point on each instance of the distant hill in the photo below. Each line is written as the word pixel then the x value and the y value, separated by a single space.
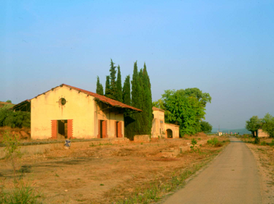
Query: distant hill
pixel 240 131
pixel 9 105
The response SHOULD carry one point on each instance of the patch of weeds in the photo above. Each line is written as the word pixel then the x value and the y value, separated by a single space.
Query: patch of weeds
pixel 199 138
pixel 57 175
pixel 157 189
pixel 101 184
pixel 25 169
pixel 214 142
pixel 263 143
pixel 271 144
pixel 22 193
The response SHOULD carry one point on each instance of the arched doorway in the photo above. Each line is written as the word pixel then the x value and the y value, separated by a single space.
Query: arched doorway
pixel 169 133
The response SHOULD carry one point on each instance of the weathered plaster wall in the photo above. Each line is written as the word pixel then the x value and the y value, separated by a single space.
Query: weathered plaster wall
pixel 112 117
pixel 173 128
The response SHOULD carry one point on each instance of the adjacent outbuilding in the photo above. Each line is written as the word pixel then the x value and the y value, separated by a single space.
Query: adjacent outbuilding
pixel 160 129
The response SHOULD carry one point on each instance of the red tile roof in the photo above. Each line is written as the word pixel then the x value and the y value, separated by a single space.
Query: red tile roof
pixel 104 99
pixel 101 98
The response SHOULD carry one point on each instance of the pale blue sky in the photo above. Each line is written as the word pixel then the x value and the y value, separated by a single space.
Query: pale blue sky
pixel 225 48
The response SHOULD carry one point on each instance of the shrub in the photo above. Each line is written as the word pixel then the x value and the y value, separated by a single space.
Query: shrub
pixel 14 119
pixel 215 142
pixel 271 143
pixel 193 142
pixel 12 148
pixel 22 193
pixel 263 143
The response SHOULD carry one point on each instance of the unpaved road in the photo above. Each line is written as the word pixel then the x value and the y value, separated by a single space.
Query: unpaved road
pixel 231 178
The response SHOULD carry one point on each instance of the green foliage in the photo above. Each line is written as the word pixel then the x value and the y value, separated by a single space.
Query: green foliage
pixel 119 95
pixel 126 91
pixel 257 140
pixel 14 119
pixel 253 124
pixel 8 101
pixel 271 144
pixel 263 143
pixel 268 124
pixel 99 87
pixel 185 108
pixel 113 86
pixel 147 102
pixel 107 87
pixel 214 142
pixel 206 127
pixel 136 101
pixel 193 142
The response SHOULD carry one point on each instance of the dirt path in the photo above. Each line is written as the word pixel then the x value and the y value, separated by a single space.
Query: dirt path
pixel 232 178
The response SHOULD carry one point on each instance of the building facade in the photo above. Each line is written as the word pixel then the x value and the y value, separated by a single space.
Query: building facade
pixel 160 129
pixel 69 112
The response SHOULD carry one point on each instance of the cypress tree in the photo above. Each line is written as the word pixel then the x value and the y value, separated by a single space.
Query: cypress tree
pixel 127 114
pixel 126 91
pixel 119 96
pixel 135 95
pixel 107 88
pixel 141 103
pixel 113 88
pixel 147 102
pixel 99 87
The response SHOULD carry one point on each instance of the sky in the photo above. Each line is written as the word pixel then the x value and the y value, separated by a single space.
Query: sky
pixel 224 48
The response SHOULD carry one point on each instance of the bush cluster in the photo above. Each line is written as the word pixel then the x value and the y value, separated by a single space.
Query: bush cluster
pixel 14 119
pixel 215 142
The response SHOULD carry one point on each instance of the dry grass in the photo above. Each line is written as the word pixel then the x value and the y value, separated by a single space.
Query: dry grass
pixel 103 173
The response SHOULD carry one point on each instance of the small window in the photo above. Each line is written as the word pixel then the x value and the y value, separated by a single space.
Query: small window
pixel 63 101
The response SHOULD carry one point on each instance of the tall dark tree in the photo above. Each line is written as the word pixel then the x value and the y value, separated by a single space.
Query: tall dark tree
pixel 141 103
pixel 126 91
pixel 135 101
pixel 127 114
pixel 113 87
pixel 99 87
pixel 119 91
pixel 107 87
pixel 147 102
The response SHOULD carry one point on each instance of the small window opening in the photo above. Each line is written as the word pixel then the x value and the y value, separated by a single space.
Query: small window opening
pixel 63 101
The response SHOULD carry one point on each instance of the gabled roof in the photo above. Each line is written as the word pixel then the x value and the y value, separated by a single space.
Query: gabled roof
pixel 104 99
pixel 99 97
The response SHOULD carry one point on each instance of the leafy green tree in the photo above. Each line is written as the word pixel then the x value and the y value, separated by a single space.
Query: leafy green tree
pixel 184 108
pixel 107 87
pixel 113 86
pixel 119 96
pixel 253 124
pixel 99 87
pixel 268 124
pixel 206 127
pixel 8 101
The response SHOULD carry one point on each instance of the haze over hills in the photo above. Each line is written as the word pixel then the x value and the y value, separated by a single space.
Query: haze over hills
pixel 240 131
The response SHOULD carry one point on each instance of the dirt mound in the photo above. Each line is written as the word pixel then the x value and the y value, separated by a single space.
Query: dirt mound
pixel 23 133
